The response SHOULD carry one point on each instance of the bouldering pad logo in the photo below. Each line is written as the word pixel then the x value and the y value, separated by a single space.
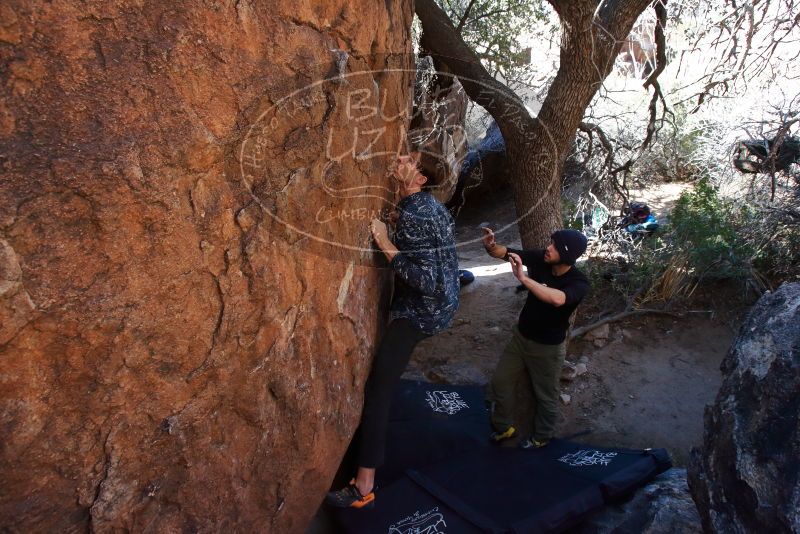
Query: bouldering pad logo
pixel 431 522
pixel 445 402
pixel 585 458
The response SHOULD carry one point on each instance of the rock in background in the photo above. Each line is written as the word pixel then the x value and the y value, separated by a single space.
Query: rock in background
pixel 183 340
pixel 484 171
pixel 746 477
pixel 437 128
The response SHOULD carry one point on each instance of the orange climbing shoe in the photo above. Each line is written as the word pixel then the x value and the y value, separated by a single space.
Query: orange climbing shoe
pixel 350 497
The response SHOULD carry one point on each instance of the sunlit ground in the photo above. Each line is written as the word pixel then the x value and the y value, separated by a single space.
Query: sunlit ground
pixel 490 270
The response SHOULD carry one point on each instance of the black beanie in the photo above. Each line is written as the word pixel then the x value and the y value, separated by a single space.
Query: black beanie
pixel 570 244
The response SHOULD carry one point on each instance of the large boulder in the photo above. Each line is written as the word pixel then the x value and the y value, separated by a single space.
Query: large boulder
pixel 188 300
pixel 746 477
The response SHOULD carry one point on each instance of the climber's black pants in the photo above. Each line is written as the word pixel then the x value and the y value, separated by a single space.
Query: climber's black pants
pixel 393 354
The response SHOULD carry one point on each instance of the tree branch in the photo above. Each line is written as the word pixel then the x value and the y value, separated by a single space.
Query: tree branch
pixel 615 13
pixel 489 14
pixel 660 8
pixel 612 172
pixel 593 128
pixel 464 17
pixel 653 108
pixel 442 40
pixel 578 332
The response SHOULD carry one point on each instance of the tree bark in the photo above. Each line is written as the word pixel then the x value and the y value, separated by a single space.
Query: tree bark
pixel 537 147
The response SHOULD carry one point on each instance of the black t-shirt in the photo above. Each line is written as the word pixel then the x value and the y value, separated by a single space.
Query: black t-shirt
pixel 542 322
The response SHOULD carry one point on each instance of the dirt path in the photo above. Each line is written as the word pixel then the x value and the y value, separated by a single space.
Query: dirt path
pixel 661 197
pixel 646 387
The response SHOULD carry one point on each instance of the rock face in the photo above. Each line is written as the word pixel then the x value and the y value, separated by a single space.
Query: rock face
pixel 746 477
pixel 485 170
pixel 662 507
pixel 188 302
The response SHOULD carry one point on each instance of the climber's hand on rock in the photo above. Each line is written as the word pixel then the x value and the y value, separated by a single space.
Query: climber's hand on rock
pixel 381 235
pixel 379 232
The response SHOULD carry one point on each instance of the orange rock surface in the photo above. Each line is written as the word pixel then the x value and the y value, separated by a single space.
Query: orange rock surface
pixel 188 302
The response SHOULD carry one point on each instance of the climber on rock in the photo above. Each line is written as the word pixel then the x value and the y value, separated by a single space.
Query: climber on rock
pixel 555 288
pixel 423 258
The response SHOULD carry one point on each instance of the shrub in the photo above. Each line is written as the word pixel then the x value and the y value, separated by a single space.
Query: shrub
pixel 705 228
pixel 708 237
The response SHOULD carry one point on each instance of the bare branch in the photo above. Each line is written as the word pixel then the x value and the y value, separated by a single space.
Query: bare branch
pixel 489 14
pixel 745 37
pixel 464 17
pixel 612 172
pixel 593 128
pixel 660 8
pixel 578 332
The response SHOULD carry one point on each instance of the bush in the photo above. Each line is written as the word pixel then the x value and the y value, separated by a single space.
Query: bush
pixel 674 154
pixel 705 227
pixel 708 237
pixel 776 234
pixel 713 238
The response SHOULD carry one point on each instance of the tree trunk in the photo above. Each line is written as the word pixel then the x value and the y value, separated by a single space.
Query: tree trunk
pixel 537 156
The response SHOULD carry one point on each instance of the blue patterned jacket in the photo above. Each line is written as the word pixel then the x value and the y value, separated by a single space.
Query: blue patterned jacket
pixel 426 269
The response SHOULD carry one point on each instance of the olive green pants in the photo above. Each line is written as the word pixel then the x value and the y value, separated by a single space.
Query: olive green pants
pixel 543 363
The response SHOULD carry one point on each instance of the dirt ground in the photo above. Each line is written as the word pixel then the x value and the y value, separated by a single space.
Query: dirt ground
pixel 646 386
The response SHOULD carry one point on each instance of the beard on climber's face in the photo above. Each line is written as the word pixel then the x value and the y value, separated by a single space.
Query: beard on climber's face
pixel 551 255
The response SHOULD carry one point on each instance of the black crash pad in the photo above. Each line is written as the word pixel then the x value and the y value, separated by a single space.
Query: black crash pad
pixel 429 423
pixel 443 476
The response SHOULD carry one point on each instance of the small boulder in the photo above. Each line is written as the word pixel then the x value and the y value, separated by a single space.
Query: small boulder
pixel 458 373
pixel 746 477
pixel 662 507
pixel 599 336
pixel 568 372
pixel 602 332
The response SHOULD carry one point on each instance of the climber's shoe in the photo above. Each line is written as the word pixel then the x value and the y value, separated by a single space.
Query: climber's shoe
pixel 497 437
pixel 350 497
pixel 532 443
